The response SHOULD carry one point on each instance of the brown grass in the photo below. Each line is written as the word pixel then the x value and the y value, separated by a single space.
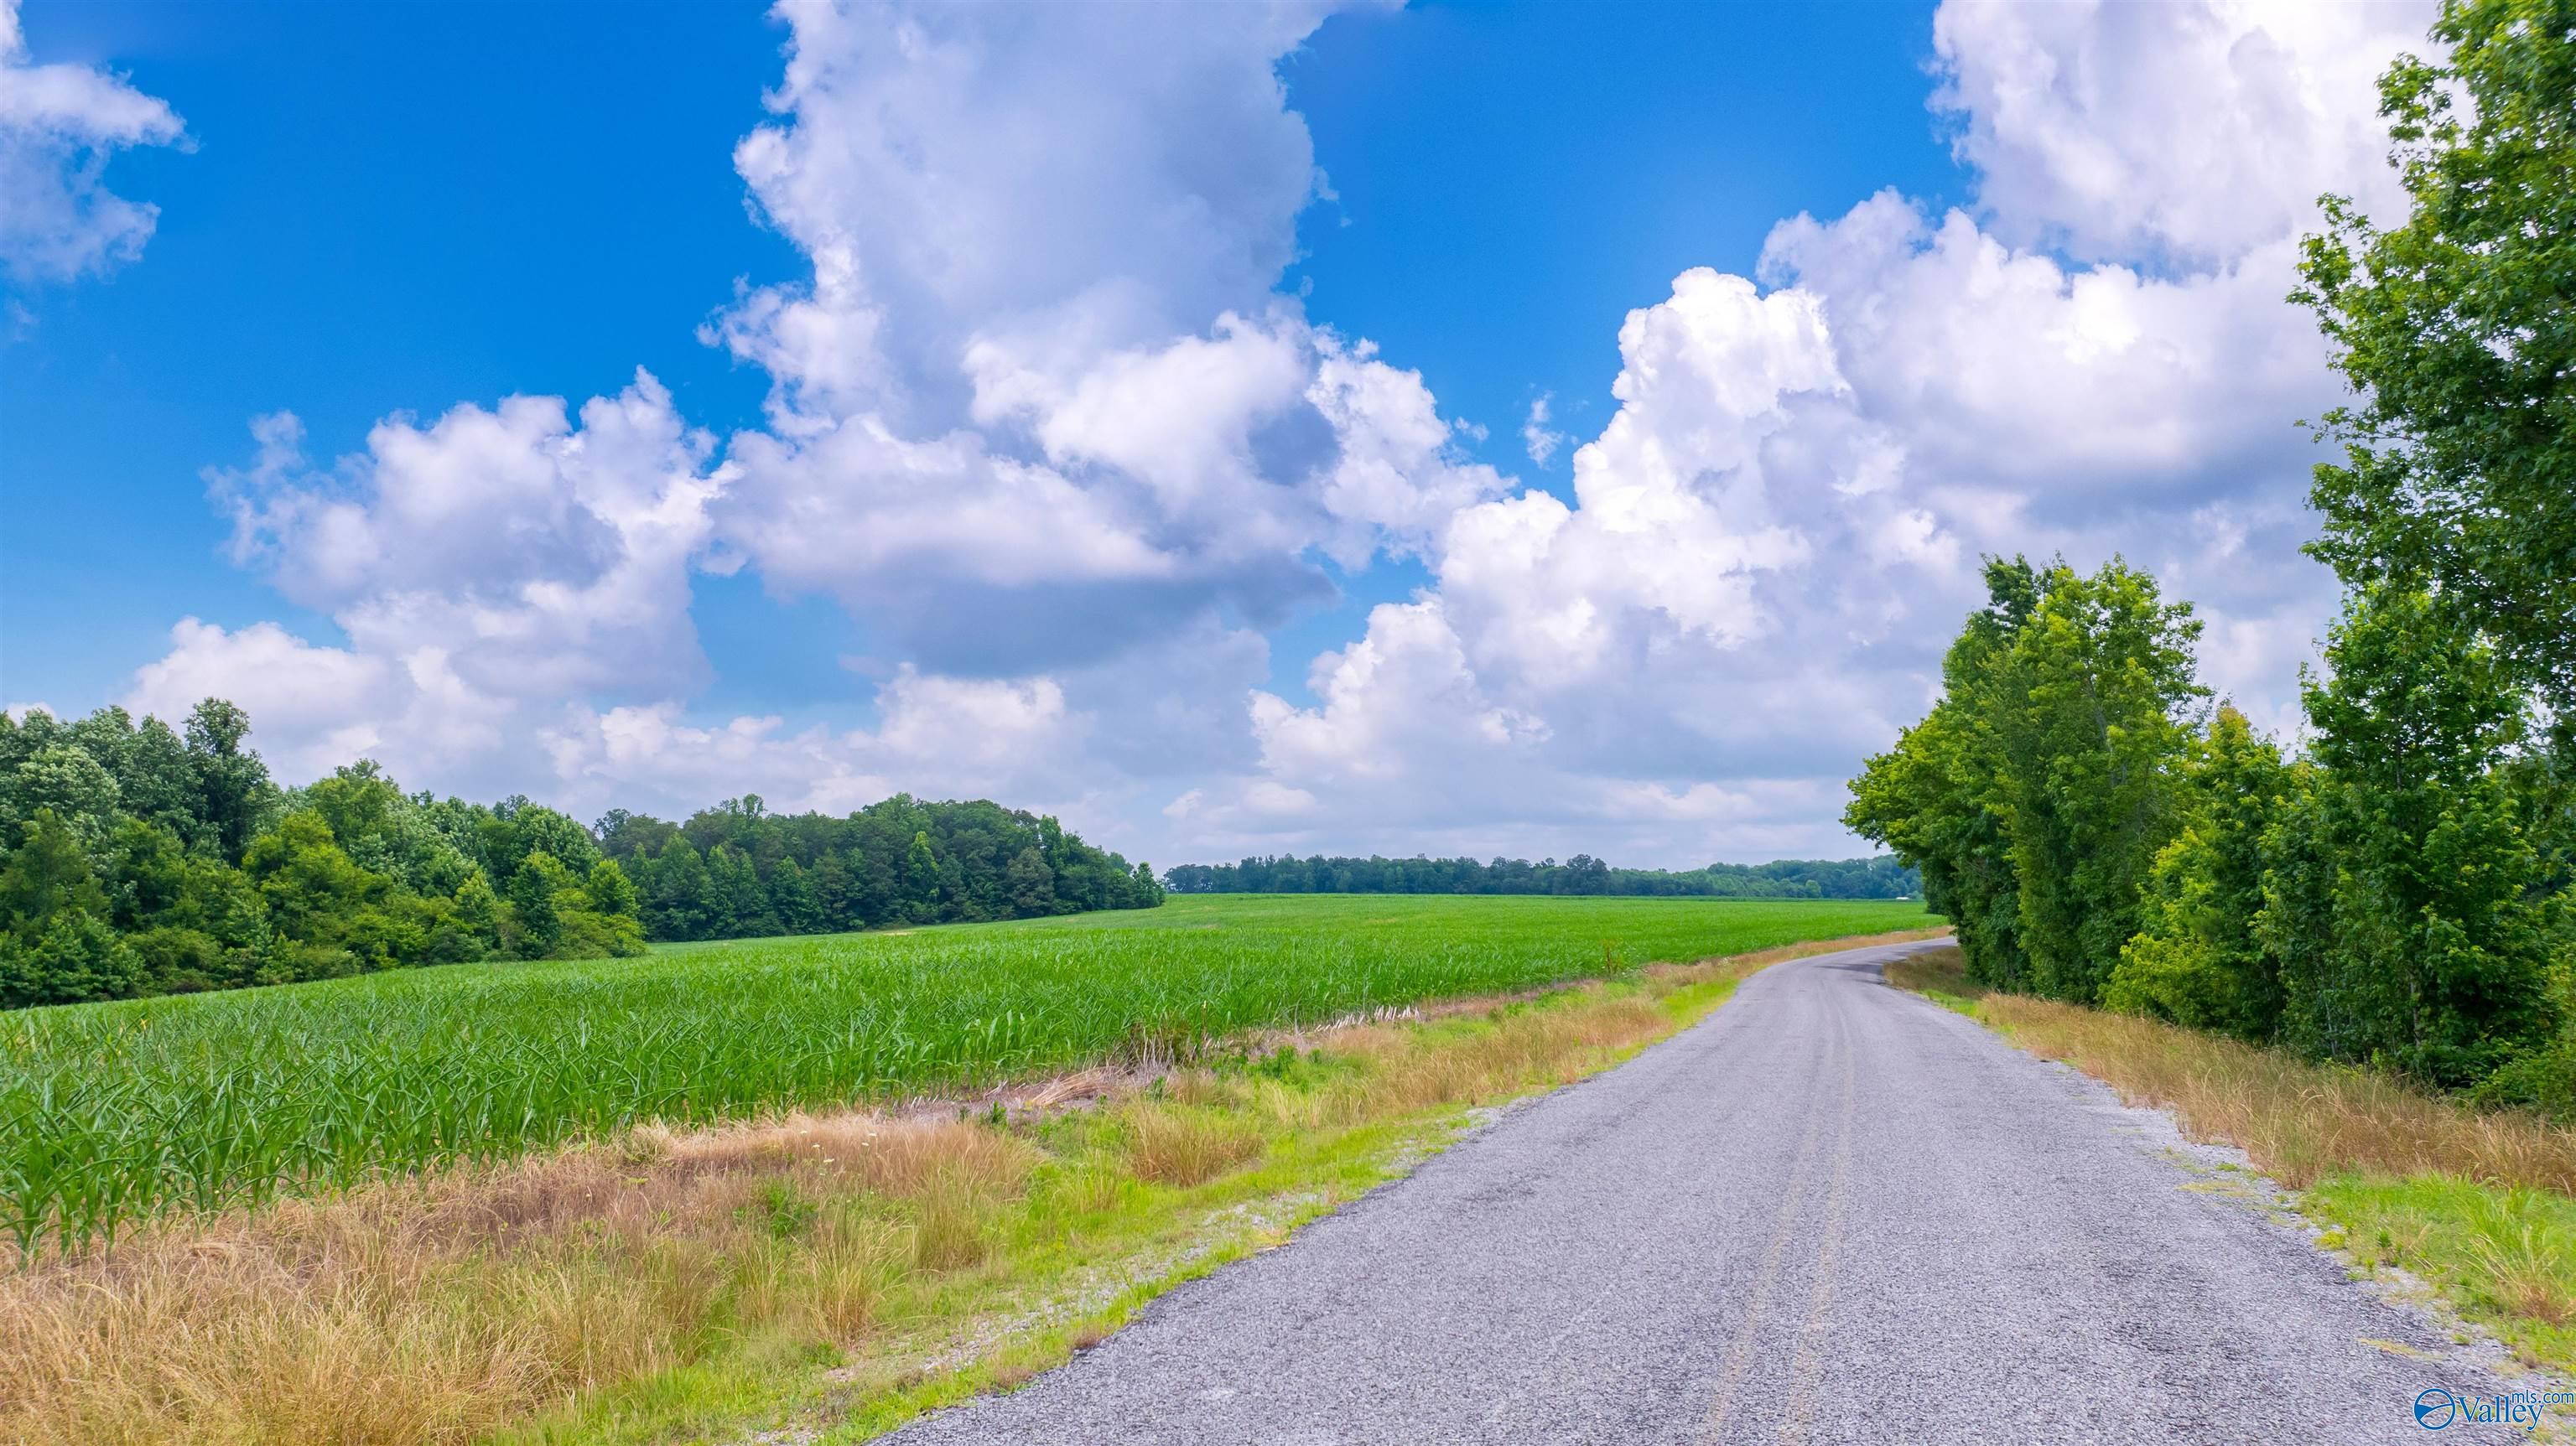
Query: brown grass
pixel 1178 1144
pixel 2297 1120
pixel 438 1309
pixel 435 1310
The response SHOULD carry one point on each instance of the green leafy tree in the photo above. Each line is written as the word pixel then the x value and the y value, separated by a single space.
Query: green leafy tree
pixel 792 899
pixel 146 874
pixel 598 914
pixel 741 899
pixel 679 895
pixel 610 891
pixel 155 779
pixel 532 893
pixel 310 886
pixel 64 779
pixel 2092 732
pixel 47 875
pixel 921 880
pixel 2457 329
pixel 76 957
pixel 178 960
pixel 835 892
pixel 479 915
pixel 1032 883
pixel 382 829
pixel 1936 799
pixel 235 797
pixel 2429 951
pixel 2196 959
pixel 558 835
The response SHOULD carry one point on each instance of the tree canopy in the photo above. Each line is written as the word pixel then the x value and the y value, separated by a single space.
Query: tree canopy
pixel 2457 331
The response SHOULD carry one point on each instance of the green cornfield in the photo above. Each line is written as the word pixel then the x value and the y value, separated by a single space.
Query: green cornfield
pixel 112 1112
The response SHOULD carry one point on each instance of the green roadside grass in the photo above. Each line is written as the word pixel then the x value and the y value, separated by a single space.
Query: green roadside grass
pixel 2479 1205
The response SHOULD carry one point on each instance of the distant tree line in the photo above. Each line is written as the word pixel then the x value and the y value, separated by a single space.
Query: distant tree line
pixel 737 870
pixel 138 859
pixel 2400 889
pixel 1878 878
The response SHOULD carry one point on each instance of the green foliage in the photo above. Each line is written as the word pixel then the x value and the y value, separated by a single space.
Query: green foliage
pixel 2394 898
pixel 477 916
pixel 2087 711
pixel 792 899
pixel 537 926
pixel 385 831
pixel 609 891
pixel 234 796
pixel 111 1112
pixel 310 886
pixel 2196 958
pixel 2434 954
pixel 740 871
pixel 2458 332
pixel 72 958
pixel 135 862
pixel 207 876
pixel 1032 883
pixel 47 875
pixel 678 893
pixel 64 780
pixel 2038 793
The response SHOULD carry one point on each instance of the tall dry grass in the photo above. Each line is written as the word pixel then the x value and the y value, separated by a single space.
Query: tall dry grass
pixel 2299 1121
pixel 436 1310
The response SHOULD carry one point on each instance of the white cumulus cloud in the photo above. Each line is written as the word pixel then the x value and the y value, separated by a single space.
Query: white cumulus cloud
pixel 58 126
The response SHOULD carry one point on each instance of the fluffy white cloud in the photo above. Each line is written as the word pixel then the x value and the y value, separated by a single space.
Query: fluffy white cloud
pixel 1769 543
pixel 1043 423
pixel 1646 664
pixel 1040 395
pixel 544 559
pixel 58 125
pixel 1051 181
pixel 2197 132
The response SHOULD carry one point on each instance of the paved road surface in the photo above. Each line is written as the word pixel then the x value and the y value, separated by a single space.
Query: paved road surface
pixel 1831 1213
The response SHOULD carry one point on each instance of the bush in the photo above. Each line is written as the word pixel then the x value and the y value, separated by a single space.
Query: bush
pixel 2543 1081
pixel 76 959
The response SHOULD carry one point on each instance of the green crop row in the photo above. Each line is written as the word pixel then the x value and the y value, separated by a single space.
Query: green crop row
pixel 112 1112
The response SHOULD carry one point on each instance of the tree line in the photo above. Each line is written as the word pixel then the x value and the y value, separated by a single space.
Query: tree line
pixel 139 859
pixel 737 870
pixel 2398 888
pixel 1878 878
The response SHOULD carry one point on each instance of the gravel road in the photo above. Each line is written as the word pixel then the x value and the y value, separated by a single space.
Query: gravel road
pixel 1833 1212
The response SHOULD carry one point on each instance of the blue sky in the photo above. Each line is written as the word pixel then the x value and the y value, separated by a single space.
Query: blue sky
pixel 388 212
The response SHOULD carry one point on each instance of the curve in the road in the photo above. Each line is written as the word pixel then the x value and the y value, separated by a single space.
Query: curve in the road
pixel 1832 1212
